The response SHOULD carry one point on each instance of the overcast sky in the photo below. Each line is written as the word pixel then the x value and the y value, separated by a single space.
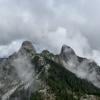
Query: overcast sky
pixel 50 24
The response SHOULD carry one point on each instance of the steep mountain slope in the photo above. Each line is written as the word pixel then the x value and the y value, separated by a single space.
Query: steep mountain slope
pixel 82 67
pixel 27 75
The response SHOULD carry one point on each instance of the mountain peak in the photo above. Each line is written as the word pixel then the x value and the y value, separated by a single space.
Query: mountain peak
pixel 27 47
pixel 67 49
pixel 67 52
pixel 68 55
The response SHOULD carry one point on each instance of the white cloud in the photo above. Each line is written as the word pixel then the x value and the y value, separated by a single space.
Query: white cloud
pixel 6 50
pixel 51 23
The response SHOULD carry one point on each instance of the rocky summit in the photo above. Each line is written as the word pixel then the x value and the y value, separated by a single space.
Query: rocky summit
pixel 28 75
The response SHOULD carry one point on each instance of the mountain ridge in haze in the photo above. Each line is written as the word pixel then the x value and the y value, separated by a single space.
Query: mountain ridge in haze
pixel 27 75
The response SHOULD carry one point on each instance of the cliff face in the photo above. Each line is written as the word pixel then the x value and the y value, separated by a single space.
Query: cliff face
pixel 84 68
pixel 17 73
pixel 27 75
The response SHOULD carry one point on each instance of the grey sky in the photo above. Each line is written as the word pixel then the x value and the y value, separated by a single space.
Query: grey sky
pixel 51 23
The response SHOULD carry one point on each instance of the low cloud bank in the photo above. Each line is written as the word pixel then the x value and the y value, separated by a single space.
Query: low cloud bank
pixel 50 24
